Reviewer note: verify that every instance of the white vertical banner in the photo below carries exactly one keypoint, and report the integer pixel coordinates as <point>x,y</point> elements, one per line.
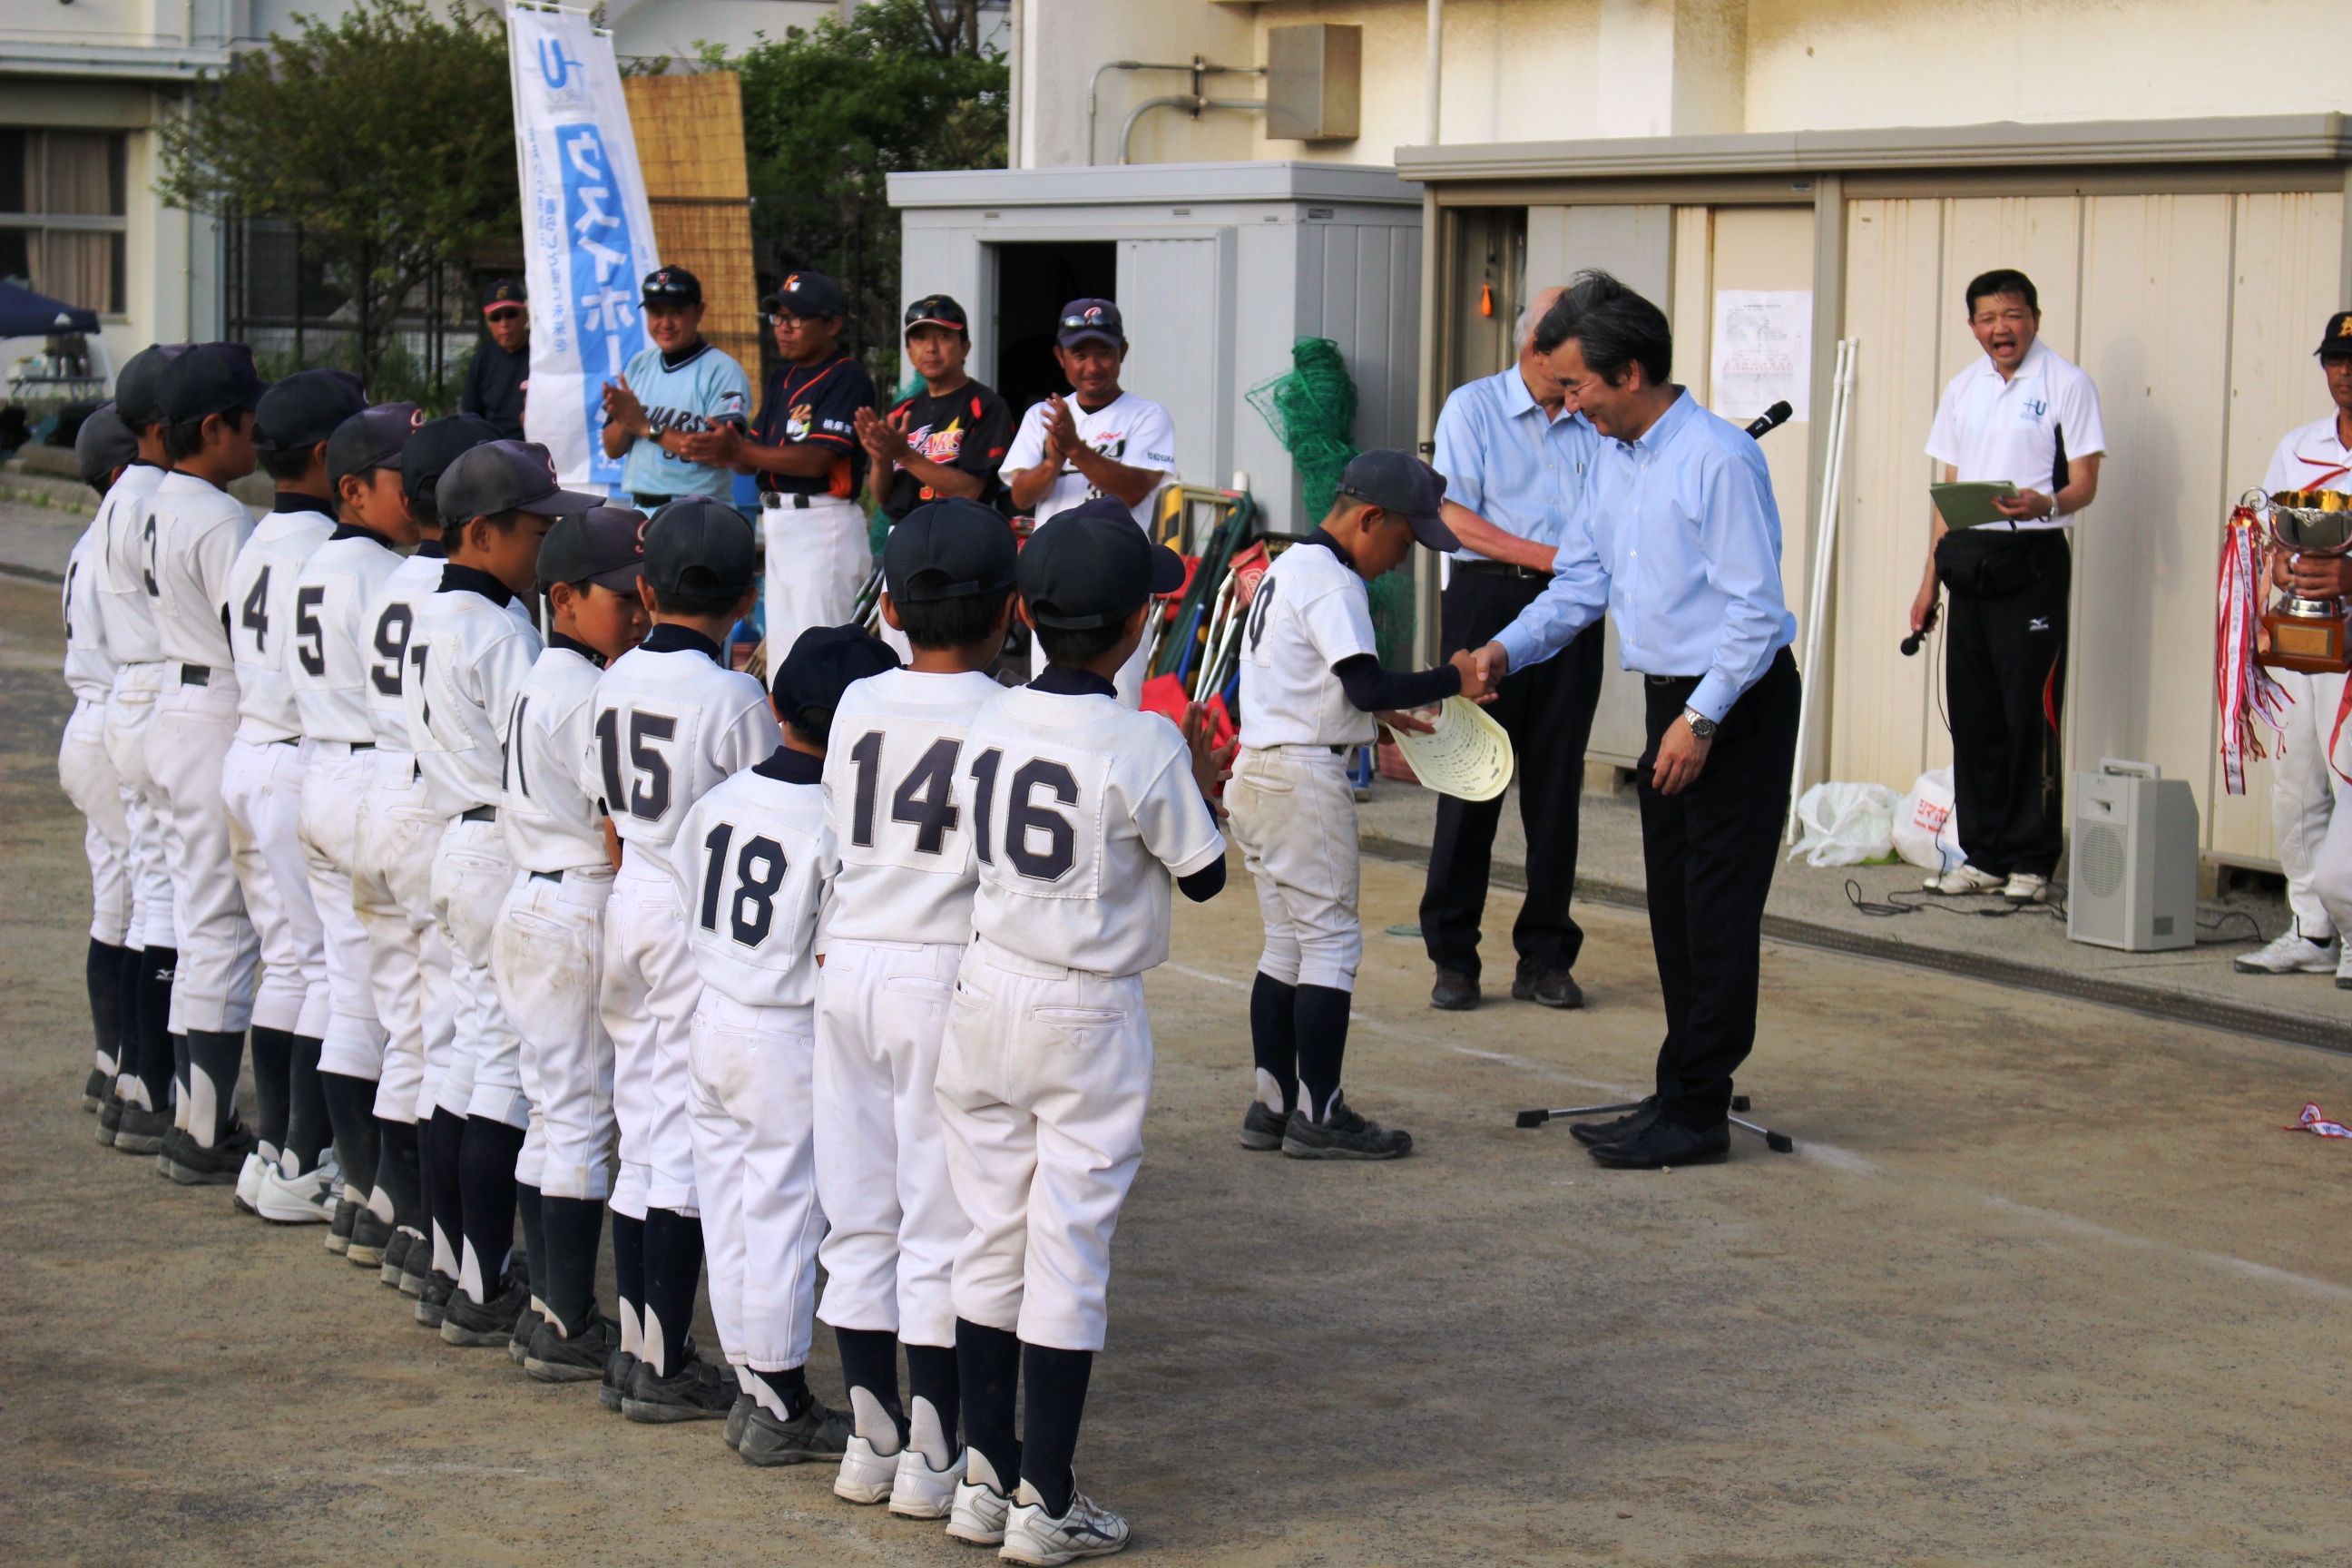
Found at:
<point>588,234</point>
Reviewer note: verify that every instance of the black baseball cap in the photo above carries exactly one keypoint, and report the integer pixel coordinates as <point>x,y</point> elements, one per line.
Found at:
<point>305,408</point>
<point>938,311</point>
<point>437,444</point>
<point>1084,319</point>
<point>1401,484</point>
<point>209,379</point>
<point>604,545</point>
<point>672,286</point>
<point>134,383</point>
<point>505,476</point>
<point>372,438</point>
<point>2336,338</point>
<point>805,294</point>
<point>1091,567</point>
<point>103,444</point>
<point>823,663</point>
<point>968,545</point>
<point>504,291</point>
<point>699,546</point>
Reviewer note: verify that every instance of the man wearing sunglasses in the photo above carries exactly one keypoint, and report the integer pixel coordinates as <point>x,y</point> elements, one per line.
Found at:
<point>500,375</point>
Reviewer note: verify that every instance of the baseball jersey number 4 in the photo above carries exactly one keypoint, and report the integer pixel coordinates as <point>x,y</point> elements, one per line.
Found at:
<point>647,795</point>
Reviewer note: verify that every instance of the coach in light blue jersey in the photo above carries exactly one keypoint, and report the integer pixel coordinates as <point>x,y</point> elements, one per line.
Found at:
<point>681,386</point>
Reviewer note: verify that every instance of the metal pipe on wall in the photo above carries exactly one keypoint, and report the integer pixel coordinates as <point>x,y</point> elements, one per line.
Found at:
<point>1196,69</point>
<point>1179,101</point>
<point>1434,68</point>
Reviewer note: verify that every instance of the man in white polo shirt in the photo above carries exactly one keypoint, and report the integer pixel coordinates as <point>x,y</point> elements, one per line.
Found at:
<point>2023,414</point>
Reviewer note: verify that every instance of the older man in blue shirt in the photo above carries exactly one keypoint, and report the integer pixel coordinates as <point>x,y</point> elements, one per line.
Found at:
<point>1679,541</point>
<point>1514,452</point>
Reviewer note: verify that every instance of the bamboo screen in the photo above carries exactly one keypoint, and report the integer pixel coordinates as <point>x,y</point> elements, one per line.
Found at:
<point>690,132</point>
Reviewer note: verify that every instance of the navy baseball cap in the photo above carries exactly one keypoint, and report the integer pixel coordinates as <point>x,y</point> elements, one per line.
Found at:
<point>957,548</point>
<point>209,379</point>
<point>1091,567</point>
<point>305,408</point>
<point>1401,484</point>
<point>372,438</point>
<point>2334,338</point>
<point>672,286</point>
<point>805,294</point>
<point>1084,319</point>
<point>437,444</point>
<point>824,660</point>
<point>134,383</point>
<point>505,476</point>
<point>604,545</point>
<point>504,291</point>
<point>699,546</point>
<point>103,444</point>
<point>937,311</point>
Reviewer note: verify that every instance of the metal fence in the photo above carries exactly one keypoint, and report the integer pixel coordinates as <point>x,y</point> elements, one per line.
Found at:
<point>281,303</point>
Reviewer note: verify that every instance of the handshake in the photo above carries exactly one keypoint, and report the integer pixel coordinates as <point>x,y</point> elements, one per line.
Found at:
<point>1482,671</point>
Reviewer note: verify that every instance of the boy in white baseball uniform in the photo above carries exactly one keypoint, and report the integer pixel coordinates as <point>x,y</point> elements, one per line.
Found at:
<point>1312,691</point>
<point>1083,811</point>
<point>261,777</point>
<point>671,722</point>
<point>894,933</point>
<point>752,867</point>
<point>469,652</point>
<point>207,398</point>
<point>548,952</point>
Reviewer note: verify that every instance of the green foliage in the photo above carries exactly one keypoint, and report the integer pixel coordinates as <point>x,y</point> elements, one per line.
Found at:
<point>387,137</point>
<point>400,373</point>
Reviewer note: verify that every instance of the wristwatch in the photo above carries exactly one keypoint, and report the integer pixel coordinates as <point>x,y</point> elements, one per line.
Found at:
<point>1700,724</point>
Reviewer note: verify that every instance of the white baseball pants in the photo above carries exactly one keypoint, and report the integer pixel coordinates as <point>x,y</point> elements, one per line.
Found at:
<point>881,1168</point>
<point>648,1000</point>
<point>129,708</point>
<point>261,786</point>
<point>818,559</point>
<point>472,875</point>
<point>1045,1077</point>
<point>2303,811</point>
<point>219,954</point>
<point>96,789</point>
<point>397,837</point>
<point>755,1173</point>
<point>1293,814</point>
<point>548,957</point>
<point>332,796</point>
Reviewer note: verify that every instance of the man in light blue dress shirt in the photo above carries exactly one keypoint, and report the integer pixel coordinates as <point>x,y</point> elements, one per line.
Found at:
<point>1514,450</point>
<point>1679,541</point>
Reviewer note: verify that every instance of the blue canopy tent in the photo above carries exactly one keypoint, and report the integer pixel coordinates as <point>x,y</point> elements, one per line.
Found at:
<point>25,315</point>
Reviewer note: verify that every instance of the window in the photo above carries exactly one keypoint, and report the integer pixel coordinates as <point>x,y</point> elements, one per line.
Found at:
<point>62,199</point>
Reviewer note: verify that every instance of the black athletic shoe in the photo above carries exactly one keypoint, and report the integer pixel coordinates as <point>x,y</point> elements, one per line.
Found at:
<point>696,1391</point>
<point>369,1236</point>
<point>1342,1135</point>
<point>1262,1129</point>
<point>110,1121</point>
<point>433,1302</point>
<point>466,1321</point>
<point>815,1432</point>
<point>738,1415</point>
<point>1455,991</point>
<point>1632,1123</point>
<point>1546,987</point>
<point>527,1326</point>
<point>95,1089</point>
<point>141,1131</point>
<point>620,1365</point>
<point>338,1234</point>
<point>416,1268</point>
<point>581,1358</point>
<point>167,1151</point>
<point>396,1258</point>
<point>194,1165</point>
<point>1664,1143</point>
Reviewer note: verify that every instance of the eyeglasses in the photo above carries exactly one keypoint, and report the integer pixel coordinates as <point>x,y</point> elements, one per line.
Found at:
<point>511,313</point>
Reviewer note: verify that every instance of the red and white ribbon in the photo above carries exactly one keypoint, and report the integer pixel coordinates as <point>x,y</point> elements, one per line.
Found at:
<point>2315,1119</point>
<point>2246,690</point>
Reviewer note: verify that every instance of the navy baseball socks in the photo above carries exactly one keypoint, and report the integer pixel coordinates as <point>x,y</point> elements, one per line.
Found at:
<point>993,1363</point>
<point>1324,1126</point>
<point>362,1236</point>
<point>629,1288</point>
<point>670,1381</point>
<point>885,1437</point>
<point>400,1187</point>
<point>126,1044</point>
<point>273,1061</point>
<point>489,1296</point>
<point>147,1078</point>
<point>213,1151</point>
<point>574,1340</point>
<point>308,1130</point>
<point>102,973</point>
<point>1274,1042</point>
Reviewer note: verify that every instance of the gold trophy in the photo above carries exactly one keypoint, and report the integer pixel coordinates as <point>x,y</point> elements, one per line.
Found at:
<point>2308,633</point>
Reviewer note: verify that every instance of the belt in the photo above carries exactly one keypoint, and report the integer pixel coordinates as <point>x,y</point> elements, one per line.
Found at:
<point>196,675</point>
<point>781,500</point>
<point>479,813</point>
<point>1338,751</point>
<point>287,741</point>
<point>651,503</point>
<point>547,875</point>
<point>1672,679</point>
<point>1502,569</point>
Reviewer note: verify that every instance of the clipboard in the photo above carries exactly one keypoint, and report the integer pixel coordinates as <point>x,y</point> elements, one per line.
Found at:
<point>1968,504</point>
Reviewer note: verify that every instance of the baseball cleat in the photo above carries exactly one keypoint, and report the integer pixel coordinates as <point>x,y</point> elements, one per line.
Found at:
<point>526,1328</point>
<point>338,1231</point>
<point>433,1303</point>
<point>581,1358</point>
<point>864,1476</point>
<point>815,1432</point>
<point>1617,1131</point>
<point>696,1391</point>
<point>110,1121</point>
<point>248,1183</point>
<point>395,1257</point>
<point>194,1165</point>
<point>1262,1127</point>
<point>977,1515</point>
<point>168,1148</point>
<point>619,1366</point>
<point>1034,1536</point>
<point>141,1131</point>
<point>95,1089</point>
<point>738,1415</point>
<point>1342,1134</point>
<point>466,1321</point>
<point>416,1268</point>
<point>369,1236</point>
<point>918,1492</point>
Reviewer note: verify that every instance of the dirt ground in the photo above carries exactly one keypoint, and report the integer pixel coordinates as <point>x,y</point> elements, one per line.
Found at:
<point>2044,1285</point>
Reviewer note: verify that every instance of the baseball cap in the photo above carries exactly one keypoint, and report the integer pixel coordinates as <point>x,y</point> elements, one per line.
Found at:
<point>210,378</point>
<point>103,444</point>
<point>372,438</point>
<point>1091,567</point>
<point>823,663</point>
<point>504,291</point>
<point>967,545</point>
<point>134,383</point>
<point>1084,319</point>
<point>505,476</point>
<point>437,444</point>
<point>700,546</point>
<point>937,311</point>
<point>1401,483</point>
<point>604,545</point>
<point>305,408</point>
<point>2336,338</point>
<point>805,294</point>
<point>672,286</point>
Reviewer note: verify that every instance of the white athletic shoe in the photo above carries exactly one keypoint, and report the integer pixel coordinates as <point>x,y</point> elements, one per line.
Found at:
<point>2025,887</point>
<point>866,1476</point>
<point>2292,953</point>
<point>248,1182</point>
<point>1963,880</point>
<point>1034,1536</point>
<point>305,1199</point>
<point>918,1492</point>
<point>978,1513</point>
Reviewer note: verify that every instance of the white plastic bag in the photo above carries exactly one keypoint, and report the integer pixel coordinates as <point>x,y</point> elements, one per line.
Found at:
<point>1845,823</point>
<point>1926,833</point>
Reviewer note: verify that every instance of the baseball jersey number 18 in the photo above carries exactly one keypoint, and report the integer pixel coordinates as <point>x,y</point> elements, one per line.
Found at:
<point>759,875</point>
<point>648,797</point>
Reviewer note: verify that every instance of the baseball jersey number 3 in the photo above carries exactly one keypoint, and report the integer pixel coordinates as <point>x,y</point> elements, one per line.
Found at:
<point>648,795</point>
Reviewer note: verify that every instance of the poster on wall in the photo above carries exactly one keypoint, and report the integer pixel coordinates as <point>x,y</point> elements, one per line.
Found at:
<point>1763,352</point>
<point>588,234</point>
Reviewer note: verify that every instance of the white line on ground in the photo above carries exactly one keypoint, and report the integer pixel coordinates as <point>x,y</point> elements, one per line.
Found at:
<point>2090,1230</point>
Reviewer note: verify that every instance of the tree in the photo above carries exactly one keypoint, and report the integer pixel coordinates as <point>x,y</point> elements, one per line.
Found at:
<point>387,138</point>
<point>830,111</point>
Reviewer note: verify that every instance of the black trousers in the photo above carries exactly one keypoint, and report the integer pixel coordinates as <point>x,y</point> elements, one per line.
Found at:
<point>1548,709</point>
<point>1709,853</point>
<point>2004,681</point>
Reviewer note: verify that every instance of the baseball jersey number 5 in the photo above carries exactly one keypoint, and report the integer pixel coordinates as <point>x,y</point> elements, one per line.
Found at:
<point>310,636</point>
<point>755,890</point>
<point>648,800</point>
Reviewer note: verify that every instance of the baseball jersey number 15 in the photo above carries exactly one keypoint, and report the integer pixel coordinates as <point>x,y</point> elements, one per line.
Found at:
<point>647,796</point>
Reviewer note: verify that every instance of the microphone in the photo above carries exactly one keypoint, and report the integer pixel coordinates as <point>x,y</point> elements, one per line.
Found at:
<point>1911,644</point>
<point>1772,419</point>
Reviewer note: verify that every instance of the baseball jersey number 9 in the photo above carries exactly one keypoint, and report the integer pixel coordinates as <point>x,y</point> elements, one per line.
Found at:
<point>310,636</point>
<point>392,630</point>
<point>753,892</point>
<point>648,801</point>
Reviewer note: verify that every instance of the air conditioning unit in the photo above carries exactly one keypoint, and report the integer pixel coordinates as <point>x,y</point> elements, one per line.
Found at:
<point>2134,850</point>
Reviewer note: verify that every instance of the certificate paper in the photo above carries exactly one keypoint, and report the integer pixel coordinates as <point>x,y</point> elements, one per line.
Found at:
<point>1762,352</point>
